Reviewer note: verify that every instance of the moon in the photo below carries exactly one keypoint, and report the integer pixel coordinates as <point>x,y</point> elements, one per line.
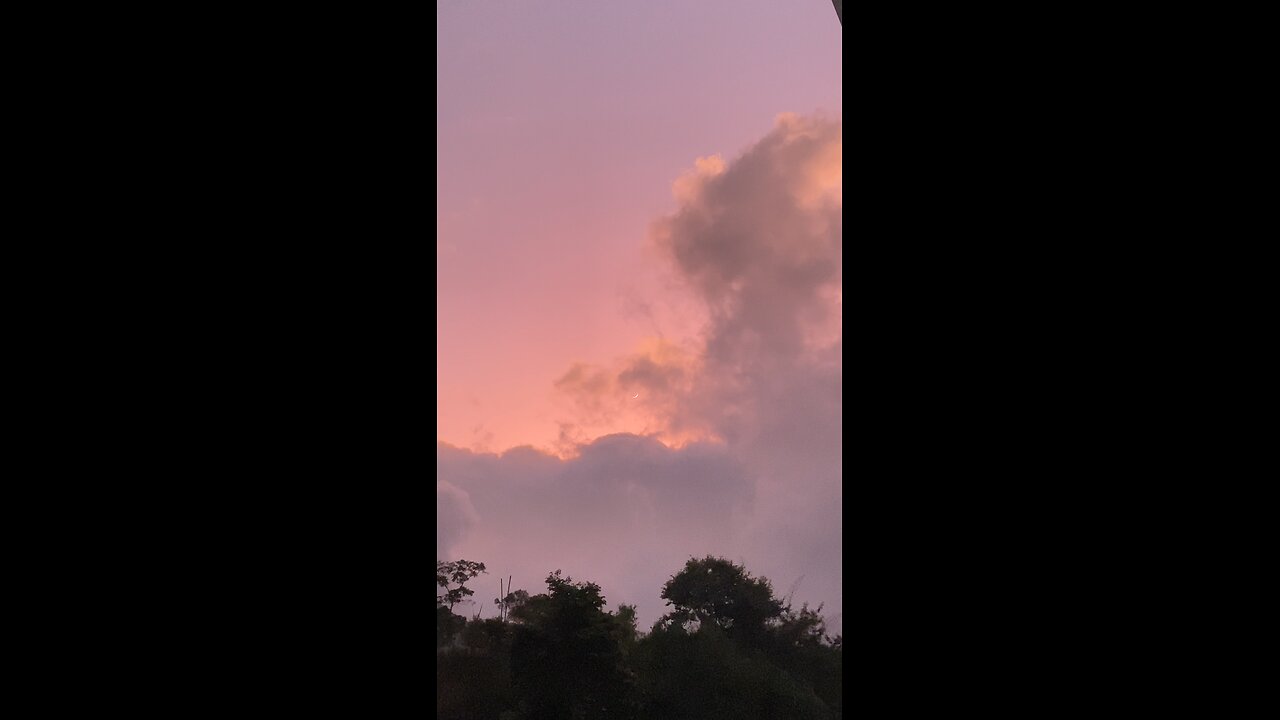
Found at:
<point>633,397</point>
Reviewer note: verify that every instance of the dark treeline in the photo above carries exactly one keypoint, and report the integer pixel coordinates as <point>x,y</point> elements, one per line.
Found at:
<point>727,649</point>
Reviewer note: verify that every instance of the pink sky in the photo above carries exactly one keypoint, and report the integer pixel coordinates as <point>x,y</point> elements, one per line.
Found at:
<point>574,272</point>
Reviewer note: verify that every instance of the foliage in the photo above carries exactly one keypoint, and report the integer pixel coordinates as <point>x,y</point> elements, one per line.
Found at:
<point>721,592</point>
<point>625,626</point>
<point>706,675</point>
<point>448,626</point>
<point>511,602</point>
<point>566,657</point>
<point>799,644</point>
<point>474,680</point>
<point>729,649</point>
<point>455,573</point>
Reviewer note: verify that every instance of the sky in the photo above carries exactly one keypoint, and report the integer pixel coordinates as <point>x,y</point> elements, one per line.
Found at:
<point>639,293</point>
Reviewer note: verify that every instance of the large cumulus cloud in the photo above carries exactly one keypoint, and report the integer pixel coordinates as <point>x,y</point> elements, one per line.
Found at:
<point>760,243</point>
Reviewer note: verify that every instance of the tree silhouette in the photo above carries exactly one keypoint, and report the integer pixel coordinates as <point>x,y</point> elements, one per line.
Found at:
<point>566,659</point>
<point>457,573</point>
<point>728,649</point>
<point>718,591</point>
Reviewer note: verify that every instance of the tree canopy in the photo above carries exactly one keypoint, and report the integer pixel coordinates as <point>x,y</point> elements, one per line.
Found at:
<point>718,591</point>
<point>728,649</point>
<point>456,573</point>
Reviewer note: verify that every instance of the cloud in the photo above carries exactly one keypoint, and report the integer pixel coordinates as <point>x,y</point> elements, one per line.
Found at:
<point>455,515</point>
<point>761,244</point>
<point>758,244</point>
<point>639,310</point>
<point>643,392</point>
<point>625,512</point>
<point>733,438</point>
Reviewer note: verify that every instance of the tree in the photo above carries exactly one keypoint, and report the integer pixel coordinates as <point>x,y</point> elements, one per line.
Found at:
<point>730,649</point>
<point>802,628</point>
<point>705,675</point>
<point>512,601</point>
<point>448,625</point>
<point>626,626</point>
<point>473,682</point>
<point>456,573</point>
<point>800,645</point>
<point>566,658</point>
<point>715,590</point>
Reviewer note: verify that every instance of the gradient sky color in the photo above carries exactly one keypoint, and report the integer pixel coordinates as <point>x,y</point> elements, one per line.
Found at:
<point>560,129</point>
<point>581,149</point>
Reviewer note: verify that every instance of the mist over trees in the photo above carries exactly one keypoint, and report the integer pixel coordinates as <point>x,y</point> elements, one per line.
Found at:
<point>729,648</point>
